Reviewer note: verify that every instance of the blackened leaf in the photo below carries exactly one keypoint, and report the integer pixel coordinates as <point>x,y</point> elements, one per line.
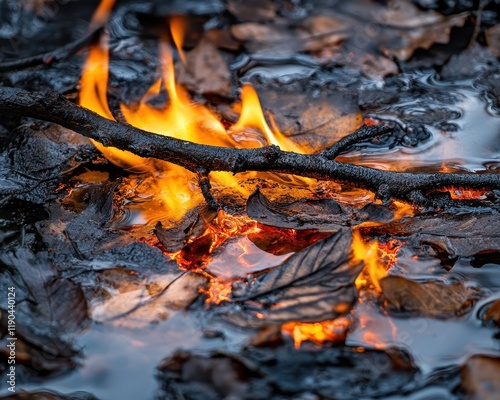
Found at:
<point>322,215</point>
<point>266,373</point>
<point>457,234</point>
<point>376,213</point>
<point>321,257</point>
<point>193,225</point>
<point>480,378</point>
<point>314,284</point>
<point>53,302</point>
<point>432,299</point>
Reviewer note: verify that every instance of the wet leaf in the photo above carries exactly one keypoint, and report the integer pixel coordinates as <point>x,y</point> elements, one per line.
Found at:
<point>53,302</point>
<point>192,226</point>
<point>205,71</point>
<point>457,234</point>
<point>493,313</point>
<point>138,302</point>
<point>323,215</point>
<point>480,378</point>
<point>314,284</point>
<point>431,299</point>
<point>49,395</point>
<point>315,122</point>
<point>266,373</point>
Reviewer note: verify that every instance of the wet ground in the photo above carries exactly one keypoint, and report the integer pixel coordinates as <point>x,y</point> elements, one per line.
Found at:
<point>104,309</point>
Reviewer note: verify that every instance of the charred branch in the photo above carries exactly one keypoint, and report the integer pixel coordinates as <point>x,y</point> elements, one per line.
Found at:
<point>415,188</point>
<point>52,56</point>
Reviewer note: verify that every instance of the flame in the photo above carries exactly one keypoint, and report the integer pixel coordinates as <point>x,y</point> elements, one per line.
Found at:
<point>369,253</point>
<point>218,291</point>
<point>252,117</point>
<point>317,332</point>
<point>178,31</point>
<point>101,14</point>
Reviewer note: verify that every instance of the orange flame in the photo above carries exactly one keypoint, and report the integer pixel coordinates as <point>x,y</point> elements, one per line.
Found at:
<point>369,253</point>
<point>101,14</point>
<point>252,117</point>
<point>317,332</point>
<point>178,31</point>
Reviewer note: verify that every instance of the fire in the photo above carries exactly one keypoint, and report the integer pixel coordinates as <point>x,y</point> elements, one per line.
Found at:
<point>317,332</point>
<point>101,14</point>
<point>370,253</point>
<point>252,118</point>
<point>217,291</point>
<point>178,30</point>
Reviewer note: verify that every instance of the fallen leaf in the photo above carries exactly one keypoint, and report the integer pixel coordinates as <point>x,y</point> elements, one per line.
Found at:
<point>314,284</point>
<point>252,10</point>
<point>431,299</point>
<point>457,234</point>
<point>49,395</point>
<point>480,377</point>
<point>192,226</point>
<point>137,305</point>
<point>55,304</point>
<point>493,39</point>
<point>322,215</point>
<point>265,38</point>
<point>493,313</point>
<point>268,373</point>
<point>205,71</point>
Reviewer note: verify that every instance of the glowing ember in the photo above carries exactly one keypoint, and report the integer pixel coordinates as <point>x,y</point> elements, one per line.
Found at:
<point>217,291</point>
<point>317,332</point>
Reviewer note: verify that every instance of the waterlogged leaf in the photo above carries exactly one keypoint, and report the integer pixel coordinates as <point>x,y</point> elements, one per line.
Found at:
<point>49,395</point>
<point>193,225</point>
<point>276,373</point>
<point>457,234</point>
<point>493,313</point>
<point>136,302</point>
<point>205,71</point>
<point>480,378</point>
<point>431,299</point>
<point>323,214</point>
<point>314,284</point>
<point>314,122</point>
<point>53,302</point>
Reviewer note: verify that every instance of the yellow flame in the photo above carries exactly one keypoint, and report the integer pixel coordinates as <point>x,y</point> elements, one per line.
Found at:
<point>369,253</point>
<point>178,31</point>
<point>317,332</point>
<point>252,116</point>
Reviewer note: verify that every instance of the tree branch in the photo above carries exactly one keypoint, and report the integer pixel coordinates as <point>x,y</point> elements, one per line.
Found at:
<point>405,186</point>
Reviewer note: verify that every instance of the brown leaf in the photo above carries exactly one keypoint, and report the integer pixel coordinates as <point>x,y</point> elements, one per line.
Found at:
<point>205,71</point>
<point>320,32</point>
<point>493,39</point>
<point>480,378</point>
<point>314,122</point>
<point>252,10</point>
<point>432,299</point>
<point>493,313</point>
<point>134,305</point>
<point>265,38</point>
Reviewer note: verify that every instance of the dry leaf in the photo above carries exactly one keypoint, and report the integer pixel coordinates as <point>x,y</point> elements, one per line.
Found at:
<point>480,378</point>
<point>493,39</point>
<point>432,299</point>
<point>252,10</point>
<point>205,71</point>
